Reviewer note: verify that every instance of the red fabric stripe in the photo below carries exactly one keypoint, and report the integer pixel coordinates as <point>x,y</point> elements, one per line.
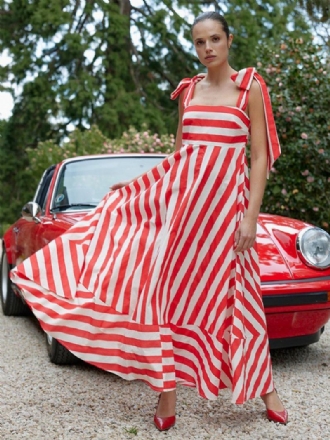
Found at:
<point>217,123</point>
<point>218,139</point>
<point>224,109</point>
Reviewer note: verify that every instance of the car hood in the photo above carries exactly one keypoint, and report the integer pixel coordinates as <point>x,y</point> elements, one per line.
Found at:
<point>279,260</point>
<point>276,238</point>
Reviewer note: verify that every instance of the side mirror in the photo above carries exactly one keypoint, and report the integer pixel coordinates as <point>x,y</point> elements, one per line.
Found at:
<point>31,211</point>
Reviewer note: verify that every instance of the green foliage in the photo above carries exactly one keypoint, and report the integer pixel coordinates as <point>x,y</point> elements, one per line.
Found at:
<point>111,64</point>
<point>81,143</point>
<point>253,22</point>
<point>49,152</point>
<point>298,76</point>
<point>318,10</point>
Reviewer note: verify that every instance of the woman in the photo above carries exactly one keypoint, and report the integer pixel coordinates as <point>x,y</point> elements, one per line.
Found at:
<point>161,282</point>
<point>217,109</point>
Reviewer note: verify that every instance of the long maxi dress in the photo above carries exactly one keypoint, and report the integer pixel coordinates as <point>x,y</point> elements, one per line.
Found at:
<point>147,285</point>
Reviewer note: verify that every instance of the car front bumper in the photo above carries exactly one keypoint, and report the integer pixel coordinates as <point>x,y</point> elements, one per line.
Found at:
<point>296,311</point>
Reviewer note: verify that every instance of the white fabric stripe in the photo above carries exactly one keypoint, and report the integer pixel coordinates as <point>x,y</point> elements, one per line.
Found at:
<point>69,269</point>
<point>240,76</point>
<point>214,131</point>
<point>197,144</point>
<point>28,271</point>
<point>192,115</point>
<point>42,269</point>
<point>108,345</point>
<point>56,271</point>
<point>244,99</point>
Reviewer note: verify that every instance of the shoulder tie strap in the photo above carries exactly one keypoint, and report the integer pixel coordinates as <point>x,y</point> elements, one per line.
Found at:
<point>187,83</point>
<point>243,79</point>
<point>274,148</point>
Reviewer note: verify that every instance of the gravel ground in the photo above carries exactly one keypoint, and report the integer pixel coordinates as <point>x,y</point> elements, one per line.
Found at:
<point>39,400</point>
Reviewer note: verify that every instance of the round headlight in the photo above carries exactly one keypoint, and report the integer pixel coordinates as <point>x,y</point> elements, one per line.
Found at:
<point>313,246</point>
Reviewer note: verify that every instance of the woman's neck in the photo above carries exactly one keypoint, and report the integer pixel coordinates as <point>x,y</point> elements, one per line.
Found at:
<point>218,75</point>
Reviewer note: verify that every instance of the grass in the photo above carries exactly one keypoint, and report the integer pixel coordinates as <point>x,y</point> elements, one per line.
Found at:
<point>132,430</point>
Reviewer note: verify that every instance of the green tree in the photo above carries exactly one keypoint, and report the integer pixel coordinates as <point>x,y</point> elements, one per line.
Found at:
<point>318,10</point>
<point>257,22</point>
<point>78,63</point>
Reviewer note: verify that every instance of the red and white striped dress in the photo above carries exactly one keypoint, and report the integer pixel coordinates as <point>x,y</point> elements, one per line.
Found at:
<point>148,286</point>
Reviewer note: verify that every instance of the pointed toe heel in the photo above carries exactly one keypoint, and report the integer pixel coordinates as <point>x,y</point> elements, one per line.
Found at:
<point>164,423</point>
<point>278,416</point>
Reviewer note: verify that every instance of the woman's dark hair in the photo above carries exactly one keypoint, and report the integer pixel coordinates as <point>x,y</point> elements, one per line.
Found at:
<point>212,15</point>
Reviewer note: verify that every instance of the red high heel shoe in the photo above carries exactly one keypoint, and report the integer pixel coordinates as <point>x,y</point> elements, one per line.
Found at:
<point>278,416</point>
<point>163,423</point>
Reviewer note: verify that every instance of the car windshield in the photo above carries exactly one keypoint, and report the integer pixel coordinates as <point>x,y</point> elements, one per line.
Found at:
<point>83,183</point>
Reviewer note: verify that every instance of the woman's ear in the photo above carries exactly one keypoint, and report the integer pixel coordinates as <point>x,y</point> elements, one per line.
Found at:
<point>230,40</point>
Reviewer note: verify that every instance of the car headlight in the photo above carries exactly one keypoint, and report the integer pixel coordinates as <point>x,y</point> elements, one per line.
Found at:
<point>313,246</point>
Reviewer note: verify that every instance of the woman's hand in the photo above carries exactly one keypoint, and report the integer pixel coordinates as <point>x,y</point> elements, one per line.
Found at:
<point>245,235</point>
<point>118,185</point>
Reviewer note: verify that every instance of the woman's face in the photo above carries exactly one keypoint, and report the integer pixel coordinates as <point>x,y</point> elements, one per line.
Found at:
<point>211,43</point>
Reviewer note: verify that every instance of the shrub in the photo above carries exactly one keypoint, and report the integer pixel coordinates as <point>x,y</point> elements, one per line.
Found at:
<point>81,143</point>
<point>297,73</point>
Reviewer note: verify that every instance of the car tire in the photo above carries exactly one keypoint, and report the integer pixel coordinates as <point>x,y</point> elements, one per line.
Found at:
<point>11,304</point>
<point>58,354</point>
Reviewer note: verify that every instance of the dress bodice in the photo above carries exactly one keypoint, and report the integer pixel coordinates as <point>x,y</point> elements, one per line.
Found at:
<point>215,125</point>
<point>226,125</point>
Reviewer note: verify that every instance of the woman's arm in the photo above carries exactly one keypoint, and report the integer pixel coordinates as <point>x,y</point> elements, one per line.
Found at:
<point>178,138</point>
<point>178,145</point>
<point>246,233</point>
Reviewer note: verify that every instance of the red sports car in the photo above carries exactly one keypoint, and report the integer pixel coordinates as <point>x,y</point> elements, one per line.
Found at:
<point>294,256</point>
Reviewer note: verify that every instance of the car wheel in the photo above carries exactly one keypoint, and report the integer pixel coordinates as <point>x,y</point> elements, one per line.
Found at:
<point>58,354</point>
<point>12,305</point>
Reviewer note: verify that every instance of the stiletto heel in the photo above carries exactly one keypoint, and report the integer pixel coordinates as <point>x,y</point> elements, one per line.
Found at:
<point>163,423</point>
<point>277,416</point>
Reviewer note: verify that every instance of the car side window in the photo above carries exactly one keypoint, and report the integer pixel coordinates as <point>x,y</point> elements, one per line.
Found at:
<point>43,188</point>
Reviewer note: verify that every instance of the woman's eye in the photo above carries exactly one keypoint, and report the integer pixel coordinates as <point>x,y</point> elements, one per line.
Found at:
<point>216,38</point>
<point>199,43</point>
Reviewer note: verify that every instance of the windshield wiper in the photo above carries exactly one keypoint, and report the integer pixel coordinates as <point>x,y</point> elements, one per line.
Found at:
<point>74,205</point>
